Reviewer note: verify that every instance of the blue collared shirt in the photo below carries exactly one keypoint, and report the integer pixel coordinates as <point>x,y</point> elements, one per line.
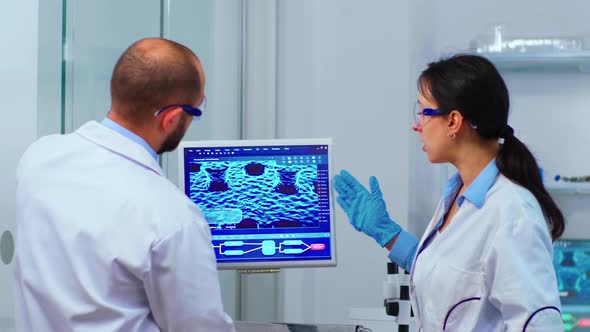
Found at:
<point>406,246</point>
<point>127,133</point>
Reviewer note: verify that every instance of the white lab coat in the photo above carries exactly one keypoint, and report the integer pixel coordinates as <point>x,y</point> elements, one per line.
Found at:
<point>473,275</point>
<point>106,243</point>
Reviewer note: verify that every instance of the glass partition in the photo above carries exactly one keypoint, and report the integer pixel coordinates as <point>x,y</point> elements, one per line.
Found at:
<point>96,33</point>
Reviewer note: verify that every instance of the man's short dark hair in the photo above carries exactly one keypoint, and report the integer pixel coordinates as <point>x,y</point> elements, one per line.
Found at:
<point>152,74</point>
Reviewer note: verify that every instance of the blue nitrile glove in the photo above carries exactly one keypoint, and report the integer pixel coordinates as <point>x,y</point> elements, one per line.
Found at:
<point>366,210</point>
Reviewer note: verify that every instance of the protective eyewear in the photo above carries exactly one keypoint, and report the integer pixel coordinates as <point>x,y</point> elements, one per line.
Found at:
<point>194,111</point>
<point>421,114</point>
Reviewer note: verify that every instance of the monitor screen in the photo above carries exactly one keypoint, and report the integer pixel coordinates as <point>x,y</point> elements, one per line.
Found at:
<point>571,259</point>
<point>268,202</point>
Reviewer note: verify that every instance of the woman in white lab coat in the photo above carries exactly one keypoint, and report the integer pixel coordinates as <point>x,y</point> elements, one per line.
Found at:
<point>485,261</point>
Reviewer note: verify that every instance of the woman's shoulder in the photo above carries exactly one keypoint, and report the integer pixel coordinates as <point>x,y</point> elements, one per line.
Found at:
<point>516,214</point>
<point>514,199</point>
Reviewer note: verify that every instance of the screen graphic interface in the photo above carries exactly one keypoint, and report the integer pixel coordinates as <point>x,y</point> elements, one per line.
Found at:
<point>571,259</point>
<point>263,203</point>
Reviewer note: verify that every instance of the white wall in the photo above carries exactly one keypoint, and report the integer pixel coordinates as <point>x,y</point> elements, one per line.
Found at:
<point>343,73</point>
<point>18,92</point>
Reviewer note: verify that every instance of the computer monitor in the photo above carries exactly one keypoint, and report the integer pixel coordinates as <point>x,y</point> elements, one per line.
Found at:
<point>268,202</point>
<point>571,259</point>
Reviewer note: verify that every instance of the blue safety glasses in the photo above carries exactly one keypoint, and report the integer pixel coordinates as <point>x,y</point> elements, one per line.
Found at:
<point>421,114</point>
<point>196,112</point>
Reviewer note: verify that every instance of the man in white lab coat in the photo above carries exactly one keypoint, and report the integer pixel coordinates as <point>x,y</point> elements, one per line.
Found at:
<point>104,241</point>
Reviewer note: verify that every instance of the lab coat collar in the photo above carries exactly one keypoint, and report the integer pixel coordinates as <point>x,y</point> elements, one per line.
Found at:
<point>129,134</point>
<point>477,191</point>
<point>118,143</point>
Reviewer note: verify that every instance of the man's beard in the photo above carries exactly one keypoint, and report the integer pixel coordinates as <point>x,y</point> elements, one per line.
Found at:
<point>171,142</point>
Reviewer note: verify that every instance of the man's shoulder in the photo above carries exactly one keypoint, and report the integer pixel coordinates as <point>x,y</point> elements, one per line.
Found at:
<point>47,147</point>
<point>50,140</point>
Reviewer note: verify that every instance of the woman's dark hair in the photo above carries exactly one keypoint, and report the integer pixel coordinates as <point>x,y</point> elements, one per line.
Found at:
<point>472,85</point>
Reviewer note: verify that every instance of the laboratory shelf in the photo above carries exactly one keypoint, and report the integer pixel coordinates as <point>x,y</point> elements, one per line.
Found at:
<point>569,188</point>
<point>541,61</point>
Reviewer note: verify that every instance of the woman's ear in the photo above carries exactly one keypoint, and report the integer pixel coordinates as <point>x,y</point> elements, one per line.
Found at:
<point>455,121</point>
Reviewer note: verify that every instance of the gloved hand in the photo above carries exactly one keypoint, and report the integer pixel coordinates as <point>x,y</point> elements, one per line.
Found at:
<point>366,210</point>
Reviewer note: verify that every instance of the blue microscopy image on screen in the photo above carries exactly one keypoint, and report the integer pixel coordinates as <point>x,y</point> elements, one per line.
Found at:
<point>266,205</point>
<point>255,193</point>
<point>571,259</point>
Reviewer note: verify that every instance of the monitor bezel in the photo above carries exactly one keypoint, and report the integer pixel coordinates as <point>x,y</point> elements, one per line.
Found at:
<point>270,142</point>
